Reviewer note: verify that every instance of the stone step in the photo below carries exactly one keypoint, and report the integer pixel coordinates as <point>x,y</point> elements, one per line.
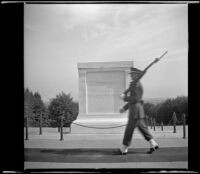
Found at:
<point>104,119</point>
<point>99,124</point>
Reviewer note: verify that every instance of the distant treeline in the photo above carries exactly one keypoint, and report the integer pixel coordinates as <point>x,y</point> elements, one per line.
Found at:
<point>163,111</point>
<point>63,104</point>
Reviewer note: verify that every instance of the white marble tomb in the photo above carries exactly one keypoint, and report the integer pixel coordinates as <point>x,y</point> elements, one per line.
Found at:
<point>100,84</point>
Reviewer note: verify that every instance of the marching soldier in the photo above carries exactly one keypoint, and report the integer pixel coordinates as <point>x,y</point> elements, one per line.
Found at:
<point>136,117</point>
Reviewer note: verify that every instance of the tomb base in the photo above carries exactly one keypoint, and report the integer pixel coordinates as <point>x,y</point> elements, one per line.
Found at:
<point>99,124</point>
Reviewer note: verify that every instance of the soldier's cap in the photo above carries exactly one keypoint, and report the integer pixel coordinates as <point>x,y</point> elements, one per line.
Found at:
<point>135,70</point>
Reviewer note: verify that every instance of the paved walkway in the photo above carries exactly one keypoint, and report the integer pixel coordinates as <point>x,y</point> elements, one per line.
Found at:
<point>100,147</point>
<point>183,165</point>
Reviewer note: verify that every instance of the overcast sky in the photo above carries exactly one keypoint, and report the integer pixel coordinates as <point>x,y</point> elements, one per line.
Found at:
<point>57,37</point>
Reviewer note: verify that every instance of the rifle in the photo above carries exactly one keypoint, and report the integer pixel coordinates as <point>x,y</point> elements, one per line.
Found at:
<point>133,83</point>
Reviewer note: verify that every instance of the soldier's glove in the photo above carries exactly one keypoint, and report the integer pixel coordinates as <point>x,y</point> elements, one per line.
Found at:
<point>122,110</point>
<point>122,96</point>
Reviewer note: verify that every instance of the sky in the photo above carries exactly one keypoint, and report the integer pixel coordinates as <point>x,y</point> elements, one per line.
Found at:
<point>58,36</point>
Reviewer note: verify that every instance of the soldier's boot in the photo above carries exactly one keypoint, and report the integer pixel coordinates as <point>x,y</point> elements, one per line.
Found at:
<point>154,146</point>
<point>123,150</point>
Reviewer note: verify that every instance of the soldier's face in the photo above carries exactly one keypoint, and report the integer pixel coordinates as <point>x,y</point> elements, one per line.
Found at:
<point>134,76</point>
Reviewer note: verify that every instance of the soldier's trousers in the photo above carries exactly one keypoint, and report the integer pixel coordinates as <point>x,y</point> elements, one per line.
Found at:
<point>130,127</point>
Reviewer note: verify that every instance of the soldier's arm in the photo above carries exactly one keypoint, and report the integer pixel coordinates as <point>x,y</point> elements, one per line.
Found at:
<point>132,99</point>
<point>137,97</point>
<point>131,85</point>
<point>127,90</point>
<point>126,106</point>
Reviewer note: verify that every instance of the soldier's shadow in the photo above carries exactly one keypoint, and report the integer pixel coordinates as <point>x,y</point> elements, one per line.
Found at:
<point>89,152</point>
<point>137,151</point>
<point>133,151</point>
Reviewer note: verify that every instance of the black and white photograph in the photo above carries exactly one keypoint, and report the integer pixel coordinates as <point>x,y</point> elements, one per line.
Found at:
<point>106,86</point>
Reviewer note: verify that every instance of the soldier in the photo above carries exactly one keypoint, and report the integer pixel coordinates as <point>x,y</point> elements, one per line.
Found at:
<point>136,118</point>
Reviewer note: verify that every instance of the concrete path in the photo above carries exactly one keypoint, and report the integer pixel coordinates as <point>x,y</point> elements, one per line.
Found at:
<point>180,165</point>
<point>50,139</point>
<point>105,155</point>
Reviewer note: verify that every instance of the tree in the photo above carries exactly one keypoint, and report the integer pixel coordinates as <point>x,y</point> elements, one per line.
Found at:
<point>62,105</point>
<point>180,106</point>
<point>148,109</point>
<point>166,111</point>
<point>34,107</point>
<point>38,105</point>
<point>28,105</point>
<point>163,111</point>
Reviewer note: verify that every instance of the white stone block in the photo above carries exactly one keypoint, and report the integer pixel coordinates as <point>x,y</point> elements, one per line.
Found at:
<point>100,86</point>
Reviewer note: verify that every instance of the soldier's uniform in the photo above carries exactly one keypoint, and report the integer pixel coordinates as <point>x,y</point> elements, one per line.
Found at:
<point>136,117</point>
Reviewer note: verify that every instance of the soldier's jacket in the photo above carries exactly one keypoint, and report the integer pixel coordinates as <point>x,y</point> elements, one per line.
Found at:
<point>134,100</point>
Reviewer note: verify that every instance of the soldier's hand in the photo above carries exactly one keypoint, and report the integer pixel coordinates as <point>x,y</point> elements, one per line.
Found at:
<point>121,110</point>
<point>122,96</point>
